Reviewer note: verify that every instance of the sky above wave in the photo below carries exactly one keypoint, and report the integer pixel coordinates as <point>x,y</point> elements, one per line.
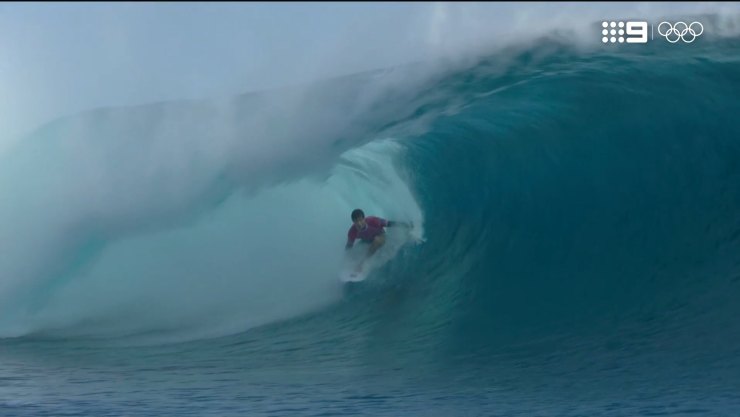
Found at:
<point>61,59</point>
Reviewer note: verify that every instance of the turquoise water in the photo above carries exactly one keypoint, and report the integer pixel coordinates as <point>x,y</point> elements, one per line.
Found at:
<point>581,225</point>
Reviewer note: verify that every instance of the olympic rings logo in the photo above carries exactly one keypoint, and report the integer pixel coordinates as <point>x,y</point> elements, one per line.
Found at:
<point>680,31</point>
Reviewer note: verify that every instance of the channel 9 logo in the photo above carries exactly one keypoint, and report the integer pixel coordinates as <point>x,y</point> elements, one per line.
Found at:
<point>637,31</point>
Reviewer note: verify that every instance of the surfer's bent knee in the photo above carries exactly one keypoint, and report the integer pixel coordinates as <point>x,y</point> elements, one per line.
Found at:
<point>379,240</point>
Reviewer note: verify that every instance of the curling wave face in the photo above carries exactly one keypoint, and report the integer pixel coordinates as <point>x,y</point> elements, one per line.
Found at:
<point>568,199</point>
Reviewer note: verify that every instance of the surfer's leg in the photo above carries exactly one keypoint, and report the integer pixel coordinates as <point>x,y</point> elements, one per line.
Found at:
<point>377,243</point>
<point>374,246</point>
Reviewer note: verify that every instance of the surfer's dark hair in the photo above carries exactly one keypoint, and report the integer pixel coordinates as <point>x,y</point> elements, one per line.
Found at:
<point>356,214</point>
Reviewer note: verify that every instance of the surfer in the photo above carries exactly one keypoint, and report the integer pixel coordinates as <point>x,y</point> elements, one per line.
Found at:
<point>370,230</point>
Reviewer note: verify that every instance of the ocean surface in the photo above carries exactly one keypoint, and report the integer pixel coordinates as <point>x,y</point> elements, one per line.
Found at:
<point>576,251</point>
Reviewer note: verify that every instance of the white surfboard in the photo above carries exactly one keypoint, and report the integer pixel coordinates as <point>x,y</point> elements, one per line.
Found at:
<point>350,275</point>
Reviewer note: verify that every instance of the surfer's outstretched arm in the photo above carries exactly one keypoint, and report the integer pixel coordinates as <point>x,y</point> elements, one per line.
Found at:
<point>394,223</point>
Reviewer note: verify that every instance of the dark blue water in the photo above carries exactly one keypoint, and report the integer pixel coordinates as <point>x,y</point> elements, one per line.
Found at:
<point>581,212</point>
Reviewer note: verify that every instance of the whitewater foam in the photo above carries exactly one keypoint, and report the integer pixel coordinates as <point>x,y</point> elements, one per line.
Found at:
<point>253,259</point>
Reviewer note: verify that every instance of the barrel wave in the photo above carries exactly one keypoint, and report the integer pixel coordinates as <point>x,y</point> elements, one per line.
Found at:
<point>580,211</point>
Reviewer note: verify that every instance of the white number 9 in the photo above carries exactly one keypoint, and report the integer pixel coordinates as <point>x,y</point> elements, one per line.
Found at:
<point>637,29</point>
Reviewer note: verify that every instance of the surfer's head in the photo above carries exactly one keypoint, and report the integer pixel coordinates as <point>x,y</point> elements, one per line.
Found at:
<point>358,218</point>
